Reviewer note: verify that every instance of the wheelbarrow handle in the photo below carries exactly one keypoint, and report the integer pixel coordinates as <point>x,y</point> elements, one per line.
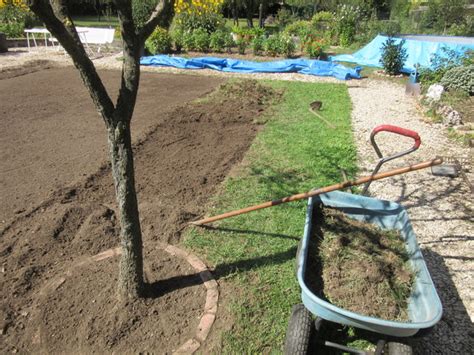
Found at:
<point>397,130</point>
<point>382,160</point>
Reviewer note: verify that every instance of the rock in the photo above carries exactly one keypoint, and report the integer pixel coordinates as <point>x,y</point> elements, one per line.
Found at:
<point>451,117</point>
<point>434,92</point>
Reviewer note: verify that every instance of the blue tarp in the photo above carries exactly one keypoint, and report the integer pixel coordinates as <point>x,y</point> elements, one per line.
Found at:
<point>420,50</point>
<point>303,66</point>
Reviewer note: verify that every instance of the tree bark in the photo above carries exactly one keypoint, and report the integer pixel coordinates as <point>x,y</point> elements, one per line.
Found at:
<point>131,263</point>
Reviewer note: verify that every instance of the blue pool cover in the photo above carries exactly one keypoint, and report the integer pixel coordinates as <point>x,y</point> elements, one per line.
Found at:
<point>302,66</point>
<point>420,50</point>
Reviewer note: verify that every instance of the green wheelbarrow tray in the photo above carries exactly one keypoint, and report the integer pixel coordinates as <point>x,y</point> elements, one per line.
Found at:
<point>424,306</point>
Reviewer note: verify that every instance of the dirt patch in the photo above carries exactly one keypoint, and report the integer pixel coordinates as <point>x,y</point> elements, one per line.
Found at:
<point>363,269</point>
<point>94,321</point>
<point>179,164</point>
<point>26,68</point>
<point>52,137</point>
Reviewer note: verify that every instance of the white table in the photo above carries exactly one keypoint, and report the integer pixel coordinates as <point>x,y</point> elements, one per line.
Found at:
<point>39,31</point>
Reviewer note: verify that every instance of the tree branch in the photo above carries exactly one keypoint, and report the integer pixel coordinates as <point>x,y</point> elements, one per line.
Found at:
<point>131,61</point>
<point>58,22</point>
<point>161,16</point>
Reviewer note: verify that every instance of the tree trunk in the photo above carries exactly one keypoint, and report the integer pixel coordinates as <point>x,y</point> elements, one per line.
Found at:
<point>261,20</point>
<point>131,263</point>
<point>249,13</point>
<point>234,13</point>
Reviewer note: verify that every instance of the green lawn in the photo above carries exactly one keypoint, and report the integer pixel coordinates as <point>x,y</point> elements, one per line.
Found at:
<point>253,254</point>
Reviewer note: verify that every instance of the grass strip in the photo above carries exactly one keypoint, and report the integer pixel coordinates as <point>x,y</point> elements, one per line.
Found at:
<point>254,254</point>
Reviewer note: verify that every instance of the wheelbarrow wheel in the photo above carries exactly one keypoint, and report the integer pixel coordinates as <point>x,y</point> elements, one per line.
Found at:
<point>299,332</point>
<point>399,349</point>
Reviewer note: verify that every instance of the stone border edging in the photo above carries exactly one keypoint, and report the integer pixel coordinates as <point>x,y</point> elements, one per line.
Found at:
<point>212,293</point>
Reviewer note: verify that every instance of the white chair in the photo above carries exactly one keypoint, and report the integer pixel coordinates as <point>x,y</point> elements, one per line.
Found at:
<point>93,35</point>
<point>96,36</point>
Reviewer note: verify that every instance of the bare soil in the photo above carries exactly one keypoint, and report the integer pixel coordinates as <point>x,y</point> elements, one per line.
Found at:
<point>66,209</point>
<point>358,266</point>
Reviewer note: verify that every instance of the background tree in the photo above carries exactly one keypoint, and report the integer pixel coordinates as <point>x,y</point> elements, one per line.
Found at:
<point>117,116</point>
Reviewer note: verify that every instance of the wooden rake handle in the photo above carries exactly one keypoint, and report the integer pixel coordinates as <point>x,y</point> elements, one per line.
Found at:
<point>321,190</point>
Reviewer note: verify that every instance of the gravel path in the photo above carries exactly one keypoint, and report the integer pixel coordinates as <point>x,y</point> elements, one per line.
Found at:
<point>441,209</point>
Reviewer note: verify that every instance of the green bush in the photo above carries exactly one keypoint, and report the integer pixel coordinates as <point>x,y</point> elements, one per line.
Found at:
<point>12,30</point>
<point>14,18</point>
<point>441,63</point>
<point>285,17</point>
<point>273,46</point>
<point>322,17</point>
<point>258,44</point>
<point>314,47</point>
<point>210,22</point>
<point>459,78</point>
<point>393,56</point>
<point>177,35</point>
<point>141,11</point>
<point>217,41</point>
<point>287,46</point>
<point>201,40</point>
<point>228,42</point>
<point>346,21</point>
<point>159,41</point>
<point>242,44</point>
<point>188,41</point>
<point>298,28</point>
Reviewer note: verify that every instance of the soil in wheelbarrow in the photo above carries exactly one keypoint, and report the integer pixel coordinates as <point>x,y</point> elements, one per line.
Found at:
<point>358,266</point>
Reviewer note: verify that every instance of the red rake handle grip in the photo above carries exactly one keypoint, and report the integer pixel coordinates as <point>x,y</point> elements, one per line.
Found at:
<point>399,130</point>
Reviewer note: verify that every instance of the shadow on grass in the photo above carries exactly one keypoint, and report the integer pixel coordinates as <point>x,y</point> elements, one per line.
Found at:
<point>246,231</point>
<point>162,287</point>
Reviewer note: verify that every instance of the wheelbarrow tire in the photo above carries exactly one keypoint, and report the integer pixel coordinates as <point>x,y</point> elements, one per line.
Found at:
<point>299,332</point>
<point>399,349</point>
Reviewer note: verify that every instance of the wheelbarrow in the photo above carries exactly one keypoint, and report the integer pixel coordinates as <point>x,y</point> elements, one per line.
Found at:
<point>424,305</point>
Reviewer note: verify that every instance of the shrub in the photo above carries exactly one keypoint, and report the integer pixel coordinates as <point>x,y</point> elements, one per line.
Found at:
<point>298,28</point>
<point>393,56</point>
<point>217,41</point>
<point>241,45</point>
<point>188,41</point>
<point>314,47</point>
<point>191,15</point>
<point>12,30</point>
<point>258,45</point>
<point>159,41</point>
<point>287,46</point>
<point>178,38</point>
<point>201,40</point>
<point>347,17</point>
<point>284,17</point>
<point>228,42</point>
<point>322,19</point>
<point>273,46</point>
<point>459,78</point>
<point>441,63</point>
<point>141,10</point>
<point>14,17</point>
